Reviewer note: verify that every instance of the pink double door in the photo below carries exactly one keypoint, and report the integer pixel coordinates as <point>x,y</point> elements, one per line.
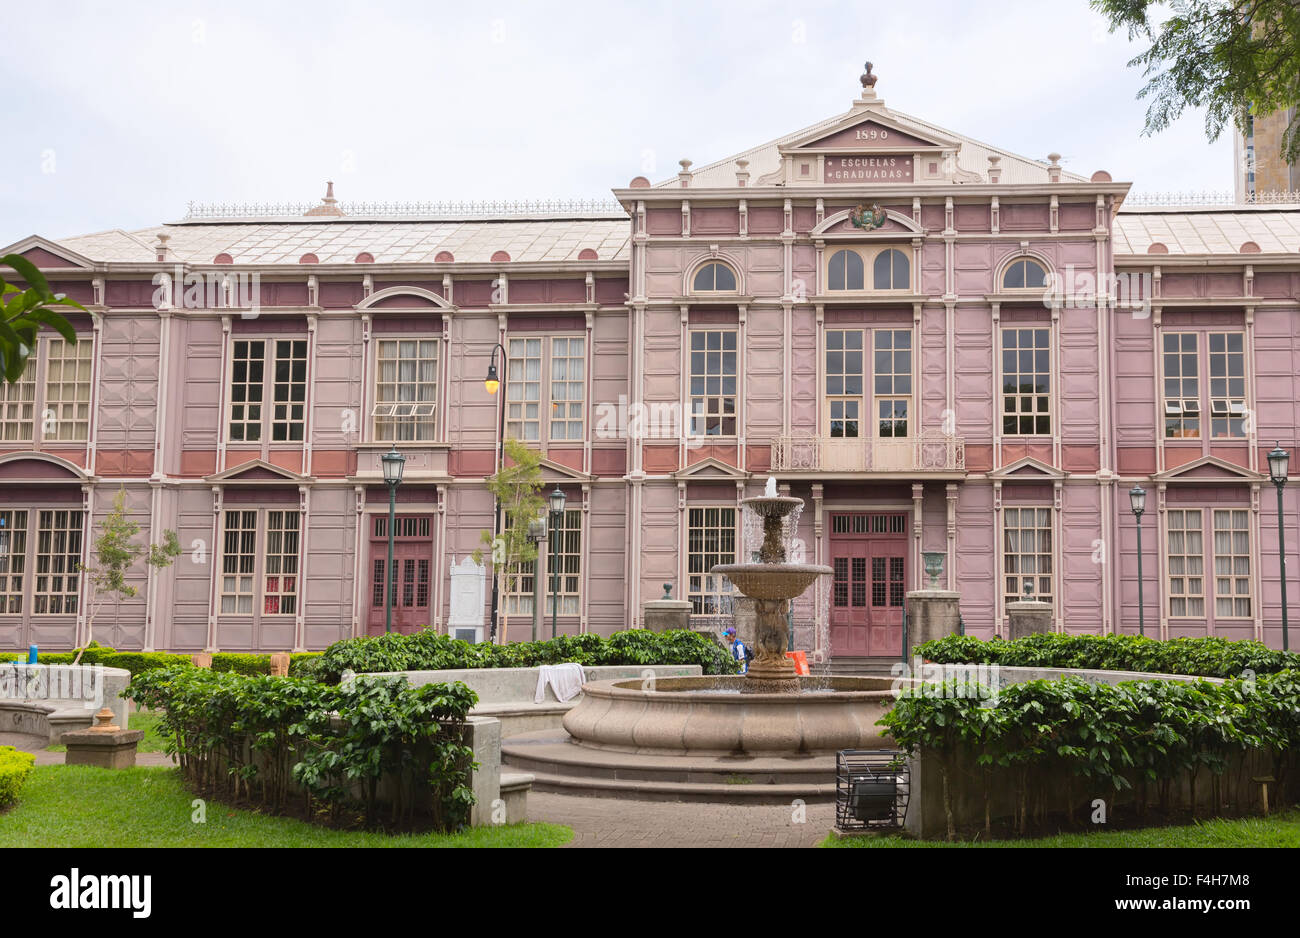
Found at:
<point>868,554</point>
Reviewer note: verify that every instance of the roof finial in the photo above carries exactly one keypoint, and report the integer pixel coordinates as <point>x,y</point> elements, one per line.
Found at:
<point>329,193</point>
<point>328,205</point>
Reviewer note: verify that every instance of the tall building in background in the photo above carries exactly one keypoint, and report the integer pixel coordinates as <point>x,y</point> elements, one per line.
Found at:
<point>1260,167</point>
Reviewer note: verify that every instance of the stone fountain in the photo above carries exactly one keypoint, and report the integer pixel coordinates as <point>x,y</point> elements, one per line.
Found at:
<point>772,582</point>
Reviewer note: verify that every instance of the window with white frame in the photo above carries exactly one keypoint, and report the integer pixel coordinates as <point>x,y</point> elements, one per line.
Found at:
<point>62,400</point>
<point>1182,390</point>
<point>262,370</point>
<point>891,270</point>
<point>844,382</point>
<point>1227,385</point>
<point>57,578</point>
<point>564,579</point>
<point>277,531</point>
<point>406,390</point>
<point>1027,553</point>
<point>892,380</point>
<point>524,389</point>
<point>551,369</point>
<point>1186,556</point>
<point>714,277</point>
<point>1026,381</point>
<point>568,386</point>
<point>13,559</point>
<point>1232,592</point>
<point>1024,274</point>
<point>713,377</point>
<point>845,271</point>
<point>710,540</point>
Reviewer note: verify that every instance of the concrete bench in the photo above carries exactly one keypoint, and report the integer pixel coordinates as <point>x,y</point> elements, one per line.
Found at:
<point>508,694</point>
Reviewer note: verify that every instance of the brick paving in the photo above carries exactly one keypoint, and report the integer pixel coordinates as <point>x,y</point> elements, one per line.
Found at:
<point>613,822</point>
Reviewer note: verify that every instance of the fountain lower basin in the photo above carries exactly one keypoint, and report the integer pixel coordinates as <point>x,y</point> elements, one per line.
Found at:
<point>718,716</point>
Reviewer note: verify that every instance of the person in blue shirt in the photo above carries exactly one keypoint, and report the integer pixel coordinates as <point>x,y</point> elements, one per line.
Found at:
<point>739,650</point>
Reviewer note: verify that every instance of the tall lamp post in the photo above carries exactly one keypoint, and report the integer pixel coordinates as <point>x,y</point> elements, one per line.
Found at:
<point>1277,466</point>
<point>557,518</point>
<point>1137,499</point>
<point>493,384</point>
<point>394,462</point>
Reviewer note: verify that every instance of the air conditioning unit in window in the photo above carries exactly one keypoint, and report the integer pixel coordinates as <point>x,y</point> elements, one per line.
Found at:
<point>467,634</point>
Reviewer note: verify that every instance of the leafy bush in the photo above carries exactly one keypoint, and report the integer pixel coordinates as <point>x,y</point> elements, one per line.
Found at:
<point>254,736</point>
<point>1204,657</point>
<point>429,651</point>
<point>138,662</point>
<point>1136,735</point>
<point>15,766</point>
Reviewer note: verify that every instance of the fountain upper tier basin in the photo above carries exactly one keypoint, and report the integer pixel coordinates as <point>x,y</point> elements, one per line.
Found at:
<point>717,716</point>
<point>772,580</point>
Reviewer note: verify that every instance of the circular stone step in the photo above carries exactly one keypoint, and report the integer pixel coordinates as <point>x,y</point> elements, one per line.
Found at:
<point>560,765</point>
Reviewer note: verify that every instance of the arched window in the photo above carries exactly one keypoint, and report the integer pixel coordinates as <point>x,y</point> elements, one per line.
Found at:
<point>714,277</point>
<point>891,271</point>
<point>1024,274</point>
<point>846,271</point>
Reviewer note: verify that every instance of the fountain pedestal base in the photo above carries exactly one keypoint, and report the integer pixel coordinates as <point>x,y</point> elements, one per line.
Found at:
<point>770,666</point>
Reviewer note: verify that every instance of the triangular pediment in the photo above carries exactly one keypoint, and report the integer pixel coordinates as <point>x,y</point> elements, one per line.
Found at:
<point>1028,469</point>
<point>1209,469</point>
<point>710,467</point>
<point>870,129</point>
<point>553,471</point>
<point>46,253</point>
<point>257,470</point>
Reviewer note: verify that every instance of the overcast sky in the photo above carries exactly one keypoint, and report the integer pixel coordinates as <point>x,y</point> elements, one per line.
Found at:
<point>118,114</point>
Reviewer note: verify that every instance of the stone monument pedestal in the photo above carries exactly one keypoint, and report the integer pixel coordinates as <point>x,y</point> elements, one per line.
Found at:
<point>931,614</point>
<point>105,744</point>
<point>661,615</point>
<point>1028,617</point>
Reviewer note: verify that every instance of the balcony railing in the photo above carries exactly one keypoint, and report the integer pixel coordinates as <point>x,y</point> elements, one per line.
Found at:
<point>931,451</point>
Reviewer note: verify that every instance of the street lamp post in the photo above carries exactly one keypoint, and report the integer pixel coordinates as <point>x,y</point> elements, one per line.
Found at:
<point>1137,499</point>
<point>557,518</point>
<point>537,534</point>
<point>394,462</point>
<point>493,383</point>
<point>1277,466</point>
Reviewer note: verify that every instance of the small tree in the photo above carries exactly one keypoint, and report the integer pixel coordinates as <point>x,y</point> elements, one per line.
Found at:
<point>516,488</point>
<point>114,552</point>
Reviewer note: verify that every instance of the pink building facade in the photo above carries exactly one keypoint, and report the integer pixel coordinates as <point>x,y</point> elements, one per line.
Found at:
<point>939,345</point>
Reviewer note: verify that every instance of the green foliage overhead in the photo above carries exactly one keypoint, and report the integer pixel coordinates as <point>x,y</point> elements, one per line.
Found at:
<point>1208,656</point>
<point>429,651</point>
<point>24,312</point>
<point>1233,58</point>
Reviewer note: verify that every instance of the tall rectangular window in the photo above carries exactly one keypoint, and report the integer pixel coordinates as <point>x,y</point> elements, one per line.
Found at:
<point>406,389</point>
<point>713,382</point>
<point>67,391</point>
<point>892,379</point>
<point>519,598</point>
<point>1182,391</point>
<point>1227,385</point>
<point>524,389</point>
<point>290,391</point>
<point>844,382</point>
<point>710,540</point>
<point>1027,553</point>
<point>1232,593</point>
<point>238,562</point>
<point>565,578</point>
<point>1026,381</point>
<point>1186,563</point>
<point>18,406</point>
<point>280,593</point>
<point>13,559</point>
<point>247,379</point>
<point>58,554</point>
<point>568,387</point>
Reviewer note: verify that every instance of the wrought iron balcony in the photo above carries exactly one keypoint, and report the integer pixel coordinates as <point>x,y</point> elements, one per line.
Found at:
<point>930,451</point>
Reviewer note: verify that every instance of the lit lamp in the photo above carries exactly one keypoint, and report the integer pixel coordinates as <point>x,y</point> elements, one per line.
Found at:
<point>557,518</point>
<point>1137,500</point>
<point>1277,466</point>
<point>394,462</point>
<point>933,560</point>
<point>492,383</point>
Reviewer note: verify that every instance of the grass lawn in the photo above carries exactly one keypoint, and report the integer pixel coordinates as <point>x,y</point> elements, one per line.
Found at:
<point>84,806</point>
<point>146,720</point>
<point>1280,830</point>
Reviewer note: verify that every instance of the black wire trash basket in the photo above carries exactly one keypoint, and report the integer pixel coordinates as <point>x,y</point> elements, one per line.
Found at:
<point>872,787</point>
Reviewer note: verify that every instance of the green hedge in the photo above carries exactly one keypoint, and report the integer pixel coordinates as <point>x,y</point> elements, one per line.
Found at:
<point>429,651</point>
<point>251,736</point>
<point>138,662</point>
<point>1203,657</point>
<point>15,766</point>
<point>1152,737</point>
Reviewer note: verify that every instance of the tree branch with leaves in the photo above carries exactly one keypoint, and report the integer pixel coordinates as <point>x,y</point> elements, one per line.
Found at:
<point>516,487</point>
<point>23,312</point>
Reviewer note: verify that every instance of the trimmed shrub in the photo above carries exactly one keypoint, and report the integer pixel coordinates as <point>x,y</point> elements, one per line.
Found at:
<point>1208,656</point>
<point>15,766</point>
<point>427,650</point>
